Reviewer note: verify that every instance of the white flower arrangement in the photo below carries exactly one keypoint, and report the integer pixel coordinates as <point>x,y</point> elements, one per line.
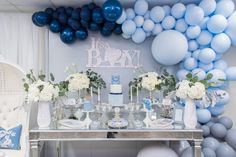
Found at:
<point>78,81</point>
<point>150,81</point>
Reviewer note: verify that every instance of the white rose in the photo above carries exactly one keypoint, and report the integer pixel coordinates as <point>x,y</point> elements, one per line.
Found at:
<point>197,91</point>
<point>182,89</point>
<point>78,81</point>
<point>33,93</point>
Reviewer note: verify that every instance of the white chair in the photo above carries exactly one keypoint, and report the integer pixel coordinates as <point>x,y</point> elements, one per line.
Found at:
<point>12,112</point>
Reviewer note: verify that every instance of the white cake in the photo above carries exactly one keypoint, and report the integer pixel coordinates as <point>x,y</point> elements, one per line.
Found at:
<point>115,97</point>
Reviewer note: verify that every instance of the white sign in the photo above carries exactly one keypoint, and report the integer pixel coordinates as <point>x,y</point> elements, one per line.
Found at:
<point>101,54</point>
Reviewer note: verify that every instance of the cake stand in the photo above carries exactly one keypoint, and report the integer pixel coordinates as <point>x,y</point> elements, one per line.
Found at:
<point>87,121</point>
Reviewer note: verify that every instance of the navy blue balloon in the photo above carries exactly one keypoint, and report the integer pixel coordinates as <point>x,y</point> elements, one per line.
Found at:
<point>63,18</point>
<point>69,11</point>
<point>81,33</point>
<point>67,35</point>
<point>40,18</point>
<point>55,15</point>
<point>105,32</point>
<point>92,5</point>
<point>84,23</point>
<point>76,14</point>
<point>94,26</point>
<point>118,30</point>
<point>55,26</point>
<point>50,11</point>
<point>60,10</point>
<point>112,10</point>
<point>109,25</point>
<point>73,23</point>
<point>85,13</point>
<point>97,15</point>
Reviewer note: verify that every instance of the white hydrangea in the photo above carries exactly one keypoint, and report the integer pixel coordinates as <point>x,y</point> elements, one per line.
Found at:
<point>150,81</point>
<point>78,81</point>
<point>182,89</point>
<point>197,91</point>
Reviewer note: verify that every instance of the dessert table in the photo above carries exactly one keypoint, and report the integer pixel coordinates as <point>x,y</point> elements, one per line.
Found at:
<point>38,136</point>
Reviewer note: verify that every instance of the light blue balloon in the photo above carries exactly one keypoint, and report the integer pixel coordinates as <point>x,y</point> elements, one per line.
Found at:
<point>139,20</point>
<point>217,24</point>
<point>224,150</point>
<point>204,38</point>
<point>168,22</point>
<point>200,73</point>
<point>206,67</point>
<point>195,53</point>
<point>122,18</point>
<point>157,14</point>
<point>220,64</point>
<point>178,10</point>
<point>147,15</point>
<point>206,130</point>
<point>217,76</point>
<point>223,99</point>
<point>148,25</point>
<point>128,27</point>
<point>188,152</point>
<point>189,54</point>
<point>231,29</point>
<point>181,74</point>
<point>208,6</point>
<point>211,143</point>
<point>218,56</point>
<point>167,9</point>
<point>190,63</point>
<point>221,43</point>
<point>130,14</point>
<point>231,73</point>
<point>208,152</point>
<point>231,138</point>
<point>140,7</point>
<point>218,130</point>
<point>181,25</point>
<point>157,29</point>
<point>203,23</point>
<point>189,6</point>
<point>225,7</point>
<point>163,52</point>
<point>139,36</point>
<point>148,34</point>
<point>228,123</point>
<point>216,110</point>
<point>192,45</point>
<point>207,55</point>
<point>193,32</point>
<point>194,15</point>
<point>203,116</point>
<point>125,36</point>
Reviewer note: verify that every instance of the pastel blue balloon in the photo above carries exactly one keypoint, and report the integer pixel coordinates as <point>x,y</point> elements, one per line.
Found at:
<point>209,124</point>
<point>204,38</point>
<point>225,7</point>
<point>211,143</point>
<point>148,25</point>
<point>167,9</point>
<point>231,138</point>
<point>126,36</point>
<point>148,34</point>
<point>190,63</point>
<point>200,73</point>
<point>203,23</point>
<point>192,45</point>
<point>231,73</point>
<point>220,64</point>
<point>122,18</point>
<point>221,43</point>
<point>181,74</point>
<point>189,6</point>
<point>216,110</point>
<point>188,152</point>
<point>128,27</point>
<point>147,15</point>
<point>231,29</point>
<point>140,7</point>
<point>228,123</point>
<point>207,55</point>
<point>189,54</point>
<point>157,29</point>
<point>163,52</point>
<point>139,36</point>
<point>130,14</point>
<point>206,67</point>
<point>193,32</point>
<point>218,56</point>
<point>208,6</point>
<point>225,150</point>
<point>157,14</point>
<point>217,76</point>
<point>223,99</point>
<point>168,22</point>
<point>218,130</point>
<point>195,53</point>
<point>194,15</point>
<point>206,130</point>
<point>178,10</point>
<point>203,115</point>
<point>208,152</point>
<point>181,25</point>
<point>217,24</point>
<point>139,20</point>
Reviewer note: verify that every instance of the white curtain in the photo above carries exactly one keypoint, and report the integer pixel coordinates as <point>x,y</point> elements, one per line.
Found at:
<point>23,43</point>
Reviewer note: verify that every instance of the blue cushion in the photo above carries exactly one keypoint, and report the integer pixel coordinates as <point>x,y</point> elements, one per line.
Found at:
<point>10,139</point>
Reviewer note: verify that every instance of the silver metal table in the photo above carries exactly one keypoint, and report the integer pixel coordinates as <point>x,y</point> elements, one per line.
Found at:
<point>42,135</point>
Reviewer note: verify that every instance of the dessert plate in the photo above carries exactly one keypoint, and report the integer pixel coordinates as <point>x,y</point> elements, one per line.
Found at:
<point>71,123</point>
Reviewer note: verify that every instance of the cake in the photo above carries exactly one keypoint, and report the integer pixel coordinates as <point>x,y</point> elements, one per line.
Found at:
<point>115,97</point>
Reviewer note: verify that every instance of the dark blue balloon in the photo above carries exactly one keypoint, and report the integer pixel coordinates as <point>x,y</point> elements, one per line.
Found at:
<point>81,33</point>
<point>97,15</point>
<point>55,15</point>
<point>94,26</point>
<point>67,35</point>
<point>60,10</point>
<point>105,32</point>
<point>40,18</point>
<point>63,18</point>
<point>112,10</point>
<point>84,23</point>
<point>92,5</point>
<point>50,11</point>
<point>118,30</point>
<point>73,23</point>
<point>109,25</point>
<point>55,26</point>
<point>69,11</point>
<point>85,13</point>
<point>76,14</point>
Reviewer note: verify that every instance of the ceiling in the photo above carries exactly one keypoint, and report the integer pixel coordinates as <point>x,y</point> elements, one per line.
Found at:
<point>34,5</point>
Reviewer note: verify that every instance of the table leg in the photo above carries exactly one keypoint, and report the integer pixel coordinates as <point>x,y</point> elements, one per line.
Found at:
<point>197,148</point>
<point>58,145</point>
<point>34,149</point>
